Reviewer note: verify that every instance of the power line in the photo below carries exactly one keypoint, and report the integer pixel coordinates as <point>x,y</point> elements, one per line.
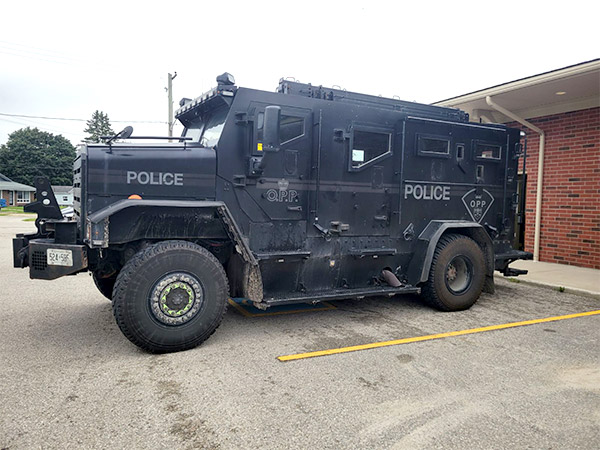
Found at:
<point>78,120</point>
<point>41,127</point>
<point>36,50</point>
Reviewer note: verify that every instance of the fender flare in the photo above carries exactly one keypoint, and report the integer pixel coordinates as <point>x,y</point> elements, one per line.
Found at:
<point>420,264</point>
<point>97,233</point>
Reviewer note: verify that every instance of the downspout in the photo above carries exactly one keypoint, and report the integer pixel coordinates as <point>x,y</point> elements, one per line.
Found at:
<point>540,171</point>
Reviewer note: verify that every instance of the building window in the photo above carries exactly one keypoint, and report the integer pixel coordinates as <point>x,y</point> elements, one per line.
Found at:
<point>65,198</point>
<point>433,146</point>
<point>488,151</point>
<point>368,146</point>
<point>22,197</point>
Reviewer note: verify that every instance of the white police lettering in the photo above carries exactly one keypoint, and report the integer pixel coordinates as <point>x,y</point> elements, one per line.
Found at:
<point>283,194</point>
<point>155,178</point>
<point>427,192</point>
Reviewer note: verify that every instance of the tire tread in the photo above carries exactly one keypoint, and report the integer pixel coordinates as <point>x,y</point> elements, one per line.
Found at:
<point>133,265</point>
<point>428,291</point>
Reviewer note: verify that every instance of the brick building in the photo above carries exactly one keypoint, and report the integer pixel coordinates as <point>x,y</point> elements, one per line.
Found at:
<point>15,194</point>
<point>560,112</point>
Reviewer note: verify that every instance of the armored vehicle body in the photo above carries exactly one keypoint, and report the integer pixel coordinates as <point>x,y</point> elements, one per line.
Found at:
<point>300,195</point>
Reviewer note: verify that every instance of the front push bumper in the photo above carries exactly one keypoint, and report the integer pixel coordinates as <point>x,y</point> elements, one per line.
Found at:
<point>48,260</point>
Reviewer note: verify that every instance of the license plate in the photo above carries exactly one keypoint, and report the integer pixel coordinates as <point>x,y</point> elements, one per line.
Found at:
<point>59,257</point>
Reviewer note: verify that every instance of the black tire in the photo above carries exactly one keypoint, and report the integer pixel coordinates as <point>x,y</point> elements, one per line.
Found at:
<point>457,274</point>
<point>171,296</point>
<point>105,285</point>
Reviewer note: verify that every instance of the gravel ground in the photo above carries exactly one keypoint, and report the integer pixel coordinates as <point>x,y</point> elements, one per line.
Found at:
<point>69,379</point>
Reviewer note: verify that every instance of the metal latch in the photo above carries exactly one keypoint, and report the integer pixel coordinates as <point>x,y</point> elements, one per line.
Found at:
<point>239,180</point>
<point>339,135</point>
<point>338,227</point>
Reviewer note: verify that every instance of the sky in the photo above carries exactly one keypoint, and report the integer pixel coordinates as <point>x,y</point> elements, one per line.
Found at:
<point>64,59</point>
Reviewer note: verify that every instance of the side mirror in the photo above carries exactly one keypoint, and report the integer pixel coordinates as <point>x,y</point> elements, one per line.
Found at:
<point>271,129</point>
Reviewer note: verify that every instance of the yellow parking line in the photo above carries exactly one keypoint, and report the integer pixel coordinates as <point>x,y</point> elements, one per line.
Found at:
<point>430,337</point>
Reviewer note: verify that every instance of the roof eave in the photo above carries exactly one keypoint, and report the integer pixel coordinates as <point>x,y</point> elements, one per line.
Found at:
<point>565,72</point>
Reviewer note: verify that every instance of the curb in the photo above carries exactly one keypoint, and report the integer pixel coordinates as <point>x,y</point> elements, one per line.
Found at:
<point>554,287</point>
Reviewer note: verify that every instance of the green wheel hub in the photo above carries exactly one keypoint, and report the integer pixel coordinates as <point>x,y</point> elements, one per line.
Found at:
<point>176,298</point>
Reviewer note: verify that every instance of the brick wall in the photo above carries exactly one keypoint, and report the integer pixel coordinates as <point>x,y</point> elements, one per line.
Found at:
<point>570,232</point>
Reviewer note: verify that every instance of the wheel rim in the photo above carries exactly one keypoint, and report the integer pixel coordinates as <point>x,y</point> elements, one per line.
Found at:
<point>459,274</point>
<point>176,298</point>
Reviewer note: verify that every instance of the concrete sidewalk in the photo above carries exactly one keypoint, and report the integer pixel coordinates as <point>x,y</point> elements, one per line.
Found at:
<point>578,280</point>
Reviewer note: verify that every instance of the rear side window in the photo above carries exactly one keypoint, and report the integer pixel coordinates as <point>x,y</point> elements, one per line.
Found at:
<point>485,151</point>
<point>433,146</point>
<point>368,146</point>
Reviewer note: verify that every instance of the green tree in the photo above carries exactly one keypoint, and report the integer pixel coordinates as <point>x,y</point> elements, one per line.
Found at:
<point>98,125</point>
<point>30,152</point>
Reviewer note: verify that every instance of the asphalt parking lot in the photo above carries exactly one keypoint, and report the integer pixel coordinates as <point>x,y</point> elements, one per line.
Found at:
<point>69,379</point>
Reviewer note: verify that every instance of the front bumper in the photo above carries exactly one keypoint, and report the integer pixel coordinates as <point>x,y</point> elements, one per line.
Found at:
<point>47,259</point>
<point>54,251</point>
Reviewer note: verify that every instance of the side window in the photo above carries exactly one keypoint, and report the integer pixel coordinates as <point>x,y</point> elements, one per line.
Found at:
<point>290,127</point>
<point>368,146</point>
<point>484,151</point>
<point>437,146</point>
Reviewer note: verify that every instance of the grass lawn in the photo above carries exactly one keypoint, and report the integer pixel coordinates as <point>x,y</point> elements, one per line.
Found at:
<point>17,210</point>
<point>13,210</point>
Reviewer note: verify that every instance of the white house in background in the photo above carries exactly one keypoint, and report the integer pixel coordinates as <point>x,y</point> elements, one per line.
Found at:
<point>64,195</point>
<point>15,194</point>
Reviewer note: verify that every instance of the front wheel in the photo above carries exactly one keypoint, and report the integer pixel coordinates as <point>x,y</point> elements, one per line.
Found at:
<point>457,274</point>
<point>170,296</point>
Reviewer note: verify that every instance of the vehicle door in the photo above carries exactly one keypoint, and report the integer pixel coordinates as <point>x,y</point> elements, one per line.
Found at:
<point>356,167</point>
<point>282,190</point>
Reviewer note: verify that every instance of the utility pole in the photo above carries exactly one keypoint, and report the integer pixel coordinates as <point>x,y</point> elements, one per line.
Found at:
<point>170,79</point>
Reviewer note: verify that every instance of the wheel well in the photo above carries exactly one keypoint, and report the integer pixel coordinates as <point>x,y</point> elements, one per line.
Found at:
<point>482,239</point>
<point>418,271</point>
<point>109,261</point>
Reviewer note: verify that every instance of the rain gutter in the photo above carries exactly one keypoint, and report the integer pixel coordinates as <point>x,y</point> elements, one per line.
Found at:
<point>540,171</point>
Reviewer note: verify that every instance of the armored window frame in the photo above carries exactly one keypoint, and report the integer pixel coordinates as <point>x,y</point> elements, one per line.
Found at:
<point>422,138</point>
<point>477,152</point>
<point>379,157</point>
<point>260,118</point>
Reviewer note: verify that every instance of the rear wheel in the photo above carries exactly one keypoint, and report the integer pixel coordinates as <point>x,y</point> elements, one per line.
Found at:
<point>457,274</point>
<point>170,296</point>
<point>105,285</point>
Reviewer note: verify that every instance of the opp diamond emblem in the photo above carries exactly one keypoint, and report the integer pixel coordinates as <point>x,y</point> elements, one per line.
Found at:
<point>478,204</point>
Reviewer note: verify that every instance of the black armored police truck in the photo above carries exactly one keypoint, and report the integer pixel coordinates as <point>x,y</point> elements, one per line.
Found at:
<point>300,195</point>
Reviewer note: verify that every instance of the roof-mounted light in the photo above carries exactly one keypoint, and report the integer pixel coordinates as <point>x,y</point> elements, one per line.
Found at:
<point>226,79</point>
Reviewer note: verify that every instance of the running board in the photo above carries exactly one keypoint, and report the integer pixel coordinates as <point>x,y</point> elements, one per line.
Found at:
<point>339,294</point>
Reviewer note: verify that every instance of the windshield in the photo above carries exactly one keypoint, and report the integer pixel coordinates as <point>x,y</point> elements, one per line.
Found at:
<point>207,129</point>
<point>195,132</point>
<point>214,128</point>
